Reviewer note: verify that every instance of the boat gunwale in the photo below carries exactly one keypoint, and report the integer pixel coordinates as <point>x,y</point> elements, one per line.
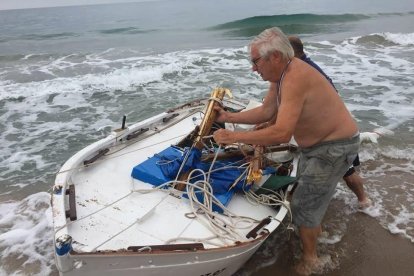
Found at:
<point>261,237</point>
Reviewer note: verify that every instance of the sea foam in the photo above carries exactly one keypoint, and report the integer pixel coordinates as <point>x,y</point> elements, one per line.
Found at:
<point>400,38</point>
<point>27,236</point>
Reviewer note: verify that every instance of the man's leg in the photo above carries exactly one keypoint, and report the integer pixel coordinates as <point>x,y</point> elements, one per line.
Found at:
<point>355,183</point>
<point>318,172</point>
<point>310,262</point>
<point>309,237</point>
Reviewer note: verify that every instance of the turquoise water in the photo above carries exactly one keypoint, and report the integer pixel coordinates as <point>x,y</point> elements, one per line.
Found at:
<point>69,74</point>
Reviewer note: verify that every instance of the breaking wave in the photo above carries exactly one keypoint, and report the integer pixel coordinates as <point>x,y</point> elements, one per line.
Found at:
<point>126,30</point>
<point>387,39</point>
<point>289,23</point>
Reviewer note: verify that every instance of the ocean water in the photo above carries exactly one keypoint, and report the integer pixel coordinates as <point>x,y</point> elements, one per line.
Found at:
<point>69,74</point>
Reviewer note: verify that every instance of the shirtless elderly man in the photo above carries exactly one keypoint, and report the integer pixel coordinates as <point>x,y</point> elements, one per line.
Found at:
<point>319,121</point>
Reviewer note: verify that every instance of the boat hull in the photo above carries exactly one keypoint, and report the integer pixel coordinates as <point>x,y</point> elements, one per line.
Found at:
<point>225,261</point>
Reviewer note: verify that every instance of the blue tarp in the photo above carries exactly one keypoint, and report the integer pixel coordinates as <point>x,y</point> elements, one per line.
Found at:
<point>149,172</point>
<point>164,166</point>
<point>170,163</point>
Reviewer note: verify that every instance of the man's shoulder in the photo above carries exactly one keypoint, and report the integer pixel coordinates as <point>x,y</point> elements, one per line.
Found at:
<point>301,71</point>
<point>297,81</point>
<point>316,66</point>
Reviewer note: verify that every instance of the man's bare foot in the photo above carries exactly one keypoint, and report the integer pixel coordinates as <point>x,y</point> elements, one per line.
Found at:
<point>362,205</point>
<point>308,267</point>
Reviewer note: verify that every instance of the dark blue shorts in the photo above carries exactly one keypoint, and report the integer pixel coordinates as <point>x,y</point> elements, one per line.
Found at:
<point>351,170</point>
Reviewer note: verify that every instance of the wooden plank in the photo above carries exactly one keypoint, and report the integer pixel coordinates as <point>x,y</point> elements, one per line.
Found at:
<point>168,247</point>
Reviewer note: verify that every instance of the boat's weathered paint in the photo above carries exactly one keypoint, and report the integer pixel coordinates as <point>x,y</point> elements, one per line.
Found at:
<point>225,261</point>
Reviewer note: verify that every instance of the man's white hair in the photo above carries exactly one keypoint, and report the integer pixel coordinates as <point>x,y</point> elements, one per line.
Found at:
<point>272,40</point>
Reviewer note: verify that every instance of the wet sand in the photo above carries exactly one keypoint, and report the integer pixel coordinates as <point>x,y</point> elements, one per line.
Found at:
<point>366,248</point>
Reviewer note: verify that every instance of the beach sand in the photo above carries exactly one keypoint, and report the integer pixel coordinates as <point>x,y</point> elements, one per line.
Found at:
<point>366,248</point>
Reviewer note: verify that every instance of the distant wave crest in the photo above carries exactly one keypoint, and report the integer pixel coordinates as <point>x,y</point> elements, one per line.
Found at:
<point>292,23</point>
<point>48,36</point>
<point>38,37</point>
<point>126,30</point>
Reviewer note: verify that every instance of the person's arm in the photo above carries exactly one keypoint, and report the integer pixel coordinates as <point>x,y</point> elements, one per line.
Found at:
<point>268,123</point>
<point>260,114</point>
<point>280,132</point>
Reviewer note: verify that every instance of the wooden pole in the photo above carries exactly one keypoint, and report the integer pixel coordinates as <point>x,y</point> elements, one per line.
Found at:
<point>217,96</point>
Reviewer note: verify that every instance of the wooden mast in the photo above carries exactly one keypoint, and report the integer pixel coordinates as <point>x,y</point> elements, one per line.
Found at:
<point>210,116</point>
<point>204,129</point>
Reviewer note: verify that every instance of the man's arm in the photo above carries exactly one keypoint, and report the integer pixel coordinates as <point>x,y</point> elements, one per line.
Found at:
<point>280,132</point>
<point>260,114</point>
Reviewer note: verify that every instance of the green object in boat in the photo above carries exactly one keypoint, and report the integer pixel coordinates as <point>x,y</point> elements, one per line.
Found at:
<point>274,183</point>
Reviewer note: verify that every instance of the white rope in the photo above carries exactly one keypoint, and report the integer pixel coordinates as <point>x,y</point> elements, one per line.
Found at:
<point>212,164</point>
<point>223,226</point>
<point>184,162</point>
<point>220,102</point>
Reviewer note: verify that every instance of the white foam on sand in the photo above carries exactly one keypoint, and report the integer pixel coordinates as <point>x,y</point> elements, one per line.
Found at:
<point>387,183</point>
<point>403,223</point>
<point>26,237</point>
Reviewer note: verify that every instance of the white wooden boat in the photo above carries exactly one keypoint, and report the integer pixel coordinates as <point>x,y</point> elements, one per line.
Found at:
<point>106,222</point>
